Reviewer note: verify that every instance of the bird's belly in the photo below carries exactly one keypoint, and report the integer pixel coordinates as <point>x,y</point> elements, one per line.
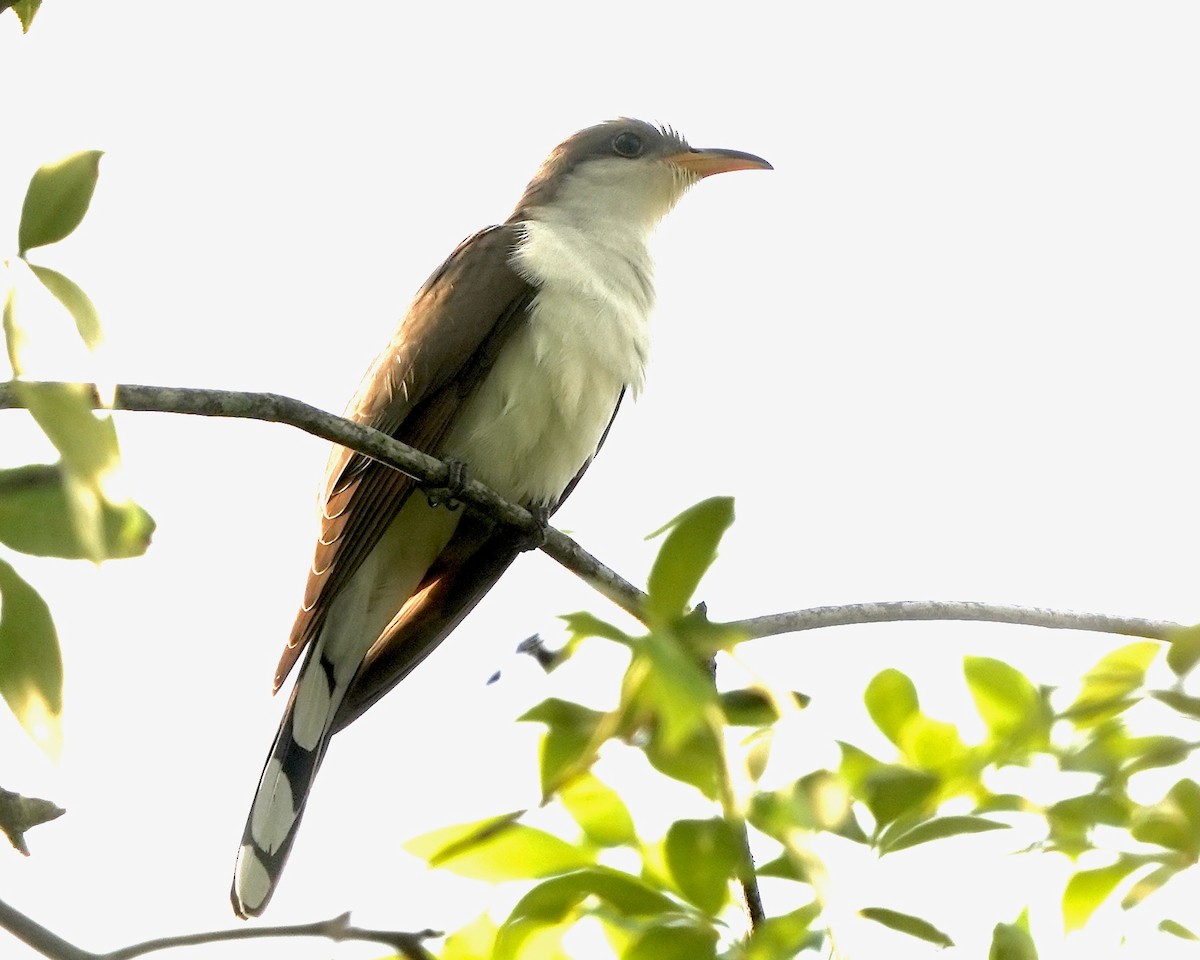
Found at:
<point>540,412</point>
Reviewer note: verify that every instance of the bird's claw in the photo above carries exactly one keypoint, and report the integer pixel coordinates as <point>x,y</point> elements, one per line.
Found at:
<point>535,539</point>
<point>447,496</point>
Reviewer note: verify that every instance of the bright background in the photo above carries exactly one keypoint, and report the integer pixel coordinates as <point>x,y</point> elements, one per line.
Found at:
<point>946,350</point>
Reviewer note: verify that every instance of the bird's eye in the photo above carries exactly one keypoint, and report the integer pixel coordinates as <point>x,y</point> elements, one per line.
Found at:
<point>627,144</point>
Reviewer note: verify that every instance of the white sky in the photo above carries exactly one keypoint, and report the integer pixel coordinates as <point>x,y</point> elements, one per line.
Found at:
<point>945,350</point>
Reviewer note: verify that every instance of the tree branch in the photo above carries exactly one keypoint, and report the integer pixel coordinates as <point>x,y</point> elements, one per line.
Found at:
<point>814,618</point>
<point>337,929</point>
<point>431,472</point>
<point>273,408</point>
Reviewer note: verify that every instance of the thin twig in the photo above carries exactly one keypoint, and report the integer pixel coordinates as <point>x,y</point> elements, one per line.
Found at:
<point>337,930</point>
<point>814,618</point>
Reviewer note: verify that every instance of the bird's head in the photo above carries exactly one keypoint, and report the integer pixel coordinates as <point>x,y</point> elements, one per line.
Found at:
<point>623,170</point>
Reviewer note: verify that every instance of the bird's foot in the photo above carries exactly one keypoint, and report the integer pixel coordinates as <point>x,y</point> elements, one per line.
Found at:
<point>447,496</point>
<point>535,539</point>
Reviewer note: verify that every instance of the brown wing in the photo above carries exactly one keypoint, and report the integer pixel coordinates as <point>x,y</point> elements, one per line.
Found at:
<point>457,324</point>
<point>476,556</point>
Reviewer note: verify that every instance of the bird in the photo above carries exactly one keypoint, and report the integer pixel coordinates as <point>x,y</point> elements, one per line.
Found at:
<point>510,365</point>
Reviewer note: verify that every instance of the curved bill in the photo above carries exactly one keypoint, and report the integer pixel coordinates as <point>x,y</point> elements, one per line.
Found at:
<point>704,162</point>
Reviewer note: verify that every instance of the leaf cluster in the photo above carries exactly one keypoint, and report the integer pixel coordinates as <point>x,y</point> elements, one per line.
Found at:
<point>682,896</point>
<point>67,509</point>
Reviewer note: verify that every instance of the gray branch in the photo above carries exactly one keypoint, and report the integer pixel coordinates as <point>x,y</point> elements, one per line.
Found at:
<point>273,408</point>
<point>338,929</point>
<point>433,473</point>
<point>816,618</point>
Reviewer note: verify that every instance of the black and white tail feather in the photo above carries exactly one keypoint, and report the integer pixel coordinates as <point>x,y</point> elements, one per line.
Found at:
<point>284,785</point>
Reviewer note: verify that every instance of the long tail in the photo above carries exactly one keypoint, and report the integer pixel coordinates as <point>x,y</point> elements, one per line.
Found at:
<point>283,787</point>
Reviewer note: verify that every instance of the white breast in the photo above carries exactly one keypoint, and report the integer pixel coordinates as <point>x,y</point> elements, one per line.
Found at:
<point>541,411</point>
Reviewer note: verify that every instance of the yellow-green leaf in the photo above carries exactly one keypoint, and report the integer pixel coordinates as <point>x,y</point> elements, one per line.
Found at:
<point>1184,652</point>
<point>686,554</point>
<point>88,443</point>
<point>941,827</point>
<point>703,857</point>
<point>57,199</point>
<point>498,849</point>
<point>25,11</point>
<point>1108,684</point>
<point>36,518</point>
<point>599,811</point>
<point>891,792</point>
<point>78,303</point>
<point>676,939</point>
<point>1087,889</point>
<point>30,662</point>
<point>475,941</point>
<point>1004,696</point>
<point>1011,941</point>
<point>891,700</point>
<point>12,332</point>
<point>1177,929</point>
<point>907,923</point>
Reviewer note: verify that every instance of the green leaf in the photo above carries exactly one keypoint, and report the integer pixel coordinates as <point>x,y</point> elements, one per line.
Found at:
<point>672,684</point>
<point>783,867</point>
<point>1173,822</point>
<point>553,899</point>
<point>571,729</point>
<point>677,939</point>
<point>498,849</point>
<point>1179,701</point>
<point>1004,696</point>
<point>785,936</point>
<point>1011,941</point>
<point>941,827</point>
<point>856,766</point>
<point>1156,751</point>
<point>687,552</point>
<point>58,196</point>
<point>88,443</point>
<point>555,712</point>
<point>12,332</point>
<point>892,792</point>
<point>1177,930</point>
<point>30,662</point>
<point>1087,889</point>
<point>891,700</point>
<point>817,801</point>
<point>1144,886</point>
<point>1005,802</point>
<point>696,761</point>
<point>78,303</point>
<point>1184,652</point>
<point>753,708</point>
<point>36,518</point>
<point>475,941</point>
<point>583,624</point>
<point>906,923</point>
<point>703,857</point>
<point>599,811</point>
<point>1107,685</point>
<point>1089,809</point>
<point>25,10</point>
<point>936,746</point>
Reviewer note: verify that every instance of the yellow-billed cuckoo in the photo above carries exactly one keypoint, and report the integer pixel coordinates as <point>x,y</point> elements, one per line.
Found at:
<point>512,361</point>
